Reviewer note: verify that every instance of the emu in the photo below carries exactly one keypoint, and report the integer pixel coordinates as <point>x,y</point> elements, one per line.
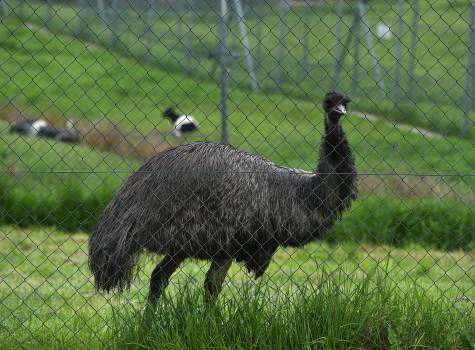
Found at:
<point>211,201</point>
<point>182,124</point>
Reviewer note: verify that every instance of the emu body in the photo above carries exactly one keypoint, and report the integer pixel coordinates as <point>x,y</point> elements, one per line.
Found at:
<point>212,201</point>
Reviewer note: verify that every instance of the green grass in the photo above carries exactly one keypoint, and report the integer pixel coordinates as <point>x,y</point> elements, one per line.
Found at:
<point>436,102</point>
<point>390,220</point>
<point>68,186</point>
<point>383,279</point>
<point>43,71</point>
<point>324,296</point>
<point>46,183</point>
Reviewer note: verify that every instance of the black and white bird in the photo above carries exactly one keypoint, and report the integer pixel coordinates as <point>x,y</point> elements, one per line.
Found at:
<point>182,124</point>
<point>29,127</point>
<point>48,132</point>
<point>68,135</point>
<point>41,128</point>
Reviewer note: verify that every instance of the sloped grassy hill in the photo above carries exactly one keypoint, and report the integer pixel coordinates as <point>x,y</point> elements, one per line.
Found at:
<point>349,295</point>
<point>435,102</point>
<point>48,183</point>
<point>42,71</point>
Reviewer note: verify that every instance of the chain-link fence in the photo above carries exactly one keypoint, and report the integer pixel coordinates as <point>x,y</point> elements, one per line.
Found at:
<point>354,227</point>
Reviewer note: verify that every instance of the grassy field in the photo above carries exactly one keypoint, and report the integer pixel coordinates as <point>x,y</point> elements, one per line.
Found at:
<point>46,183</point>
<point>325,296</point>
<point>397,272</point>
<point>92,83</point>
<point>66,185</point>
<point>435,103</point>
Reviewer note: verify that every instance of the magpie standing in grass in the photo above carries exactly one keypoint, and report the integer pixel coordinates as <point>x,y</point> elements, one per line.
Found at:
<point>182,124</point>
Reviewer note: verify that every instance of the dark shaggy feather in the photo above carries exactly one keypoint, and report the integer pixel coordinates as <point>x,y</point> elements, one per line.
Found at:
<point>212,201</point>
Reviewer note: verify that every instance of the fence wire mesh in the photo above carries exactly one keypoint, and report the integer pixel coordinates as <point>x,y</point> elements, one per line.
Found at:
<point>320,238</point>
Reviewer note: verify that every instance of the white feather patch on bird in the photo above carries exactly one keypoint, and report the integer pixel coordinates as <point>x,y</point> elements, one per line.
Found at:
<point>181,121</point>
<point>37,125</point>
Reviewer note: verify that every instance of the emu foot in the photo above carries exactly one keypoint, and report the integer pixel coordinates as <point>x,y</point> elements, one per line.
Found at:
<point>148,315</point>
<point>209,300</point>
<point>150,307</point>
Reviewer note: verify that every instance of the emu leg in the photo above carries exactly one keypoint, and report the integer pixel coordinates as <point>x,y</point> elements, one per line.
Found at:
<point>161,276</point>
<point>215,278</point>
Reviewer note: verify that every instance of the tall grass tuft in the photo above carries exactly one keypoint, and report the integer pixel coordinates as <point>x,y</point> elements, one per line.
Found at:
<point>337,314</point>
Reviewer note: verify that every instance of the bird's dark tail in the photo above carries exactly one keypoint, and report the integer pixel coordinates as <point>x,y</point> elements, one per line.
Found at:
<point>113,252</point>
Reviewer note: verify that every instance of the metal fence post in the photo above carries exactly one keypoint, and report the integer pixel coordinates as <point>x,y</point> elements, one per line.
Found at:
<point>470,77</point>
<point>224,71</point>
<point>102,10</point>
<point>245,42</point>
<point>372,49</point>
<point>415,38</point>
<point>259,26</point>
<point>340,59</point>
<point>149,29</point>
<point>356,57</point>
<point>189,35</point>
<point>21,9</point>
<point>284,7</point>
<point>49,14</point>
<point>5,7</point>
<point>177,9</point>
<point>397,68</point>
<point>306,32</point>
<point>233,37</point>
<point>82,13</point>
<point>338,48</point>
<point>114,22</point>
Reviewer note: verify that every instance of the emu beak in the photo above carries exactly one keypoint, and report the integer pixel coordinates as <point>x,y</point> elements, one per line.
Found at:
<point>340,109</point>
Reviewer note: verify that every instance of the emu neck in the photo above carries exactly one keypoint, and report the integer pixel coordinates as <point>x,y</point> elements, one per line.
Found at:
<point>334,185</point>
<point>335,149</point>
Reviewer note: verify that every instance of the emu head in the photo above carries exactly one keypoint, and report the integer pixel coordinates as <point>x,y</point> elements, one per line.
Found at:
<point>335,106</point>
<point>170,114</point>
